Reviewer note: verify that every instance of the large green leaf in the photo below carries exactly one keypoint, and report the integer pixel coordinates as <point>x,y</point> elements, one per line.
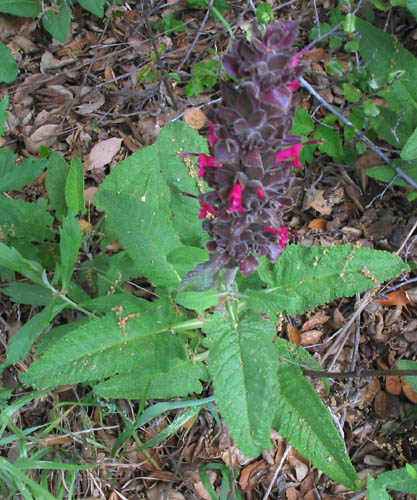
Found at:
<point>243,366</point>
<point>96,7</point>
<point>25,8</point>
<point>8,68</point>
<point>74,187</point>
<point>70,243</point>
<point>146,234</point>
<point>156,176</point>
<point>409,151</point>
<point>118,342</point>
<point>306,423</point>
<point>412,7</point>
<point>25,293</point>
<point>182,378</point>
<point>304,278</point>
<point>14,177</point>
<point>399,480</point>
<point>13,260</point>
<point>56,178</point>
<point>58,24</point>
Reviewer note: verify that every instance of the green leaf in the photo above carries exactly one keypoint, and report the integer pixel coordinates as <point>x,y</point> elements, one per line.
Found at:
<point>22,222</point>
<point>243,367</point>
<point>303,123</point>
<point>198,301</point>
<point>406,364</point>
<point>332,144</point>
<point>8,68</point>
<point>186,258</point>
<point>182,378</point>
<point>336,68</point>
<point>24,293</point>
<point>398,480</point>
<point>386,173</point>
<point>352,93</point>
<point>412,7</point>
<point>58,24</point>
<point>13,177</point>
<point>74,187</point>
<point>264,13</point>
<point>349,23</point>
<point>291,353</point>
<point>52,336</point>
<point>147,236</point>
<point>3,116</point>
<point>70,243</point>
<point>375,491</point>
<point>104,347</point>
<point>409,151</point>
<point>22,341</point>
<point>24,8</point>
<point>56,178</point>
<point>412,471</point>
<point>304,278</point>
<point>158,177</point>
<point>96,7</point>
<point>306,423</point>
<point>12,259</point>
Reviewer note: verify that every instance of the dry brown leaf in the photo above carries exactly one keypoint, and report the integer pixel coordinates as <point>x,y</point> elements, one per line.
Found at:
<point>318,224</point>
<point>94,103</point>
<point>294,335</point>
<point>317,320</point>
<point>396,298</point>
<point>311,337</point>
<point>195,118</point>
<point>109,73</point>
<point>45,135</point>
<point>408,391</point>
<point>48,61</point>
<point>131,145</point>
<point>411,295</point>
<point>393,385</point>
<point>370,391</point>
<point>244,480</point>
<point>316,200</point>
<point>382,404</point>
<point>103,153</point>
<point>292,493</point>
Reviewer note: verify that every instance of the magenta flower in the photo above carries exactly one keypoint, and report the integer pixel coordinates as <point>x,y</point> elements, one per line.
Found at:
<point>282,233</point>
<point>206,209</point>
<point>293,86</point>
<point>293,153</point>
<point>260,193</point>
<point>236,199</point>
<point>203,162</point>
<point>212,137</point>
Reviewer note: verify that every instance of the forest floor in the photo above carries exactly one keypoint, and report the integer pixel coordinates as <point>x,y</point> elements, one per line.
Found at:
<point>71,97</point>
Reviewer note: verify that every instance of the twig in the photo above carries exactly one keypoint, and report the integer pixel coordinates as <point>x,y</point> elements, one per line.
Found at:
<point>398,170</point>
<point>360,373</point>
<point>277,470</point>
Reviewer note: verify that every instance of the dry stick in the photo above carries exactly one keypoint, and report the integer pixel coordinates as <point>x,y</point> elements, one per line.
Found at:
<point>398,170</point>
<point>277,470</point>
<point>199,33</point>
<point>359,373</point>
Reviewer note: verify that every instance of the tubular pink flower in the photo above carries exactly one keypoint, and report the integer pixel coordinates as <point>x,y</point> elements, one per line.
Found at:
<point>212,137</point>
<point>203,162</point>
<point>236,199</point>
<point>260,194</point>
<point>206,209</point>
<point>293,153</point>
<point>282,233</point>
<point>293,86</point>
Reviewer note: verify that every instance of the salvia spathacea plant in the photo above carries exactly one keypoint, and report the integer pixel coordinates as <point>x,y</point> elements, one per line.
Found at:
<point>251,169</point>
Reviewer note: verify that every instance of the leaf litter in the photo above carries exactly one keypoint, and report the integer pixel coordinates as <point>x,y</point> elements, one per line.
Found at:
<point>84,98</point>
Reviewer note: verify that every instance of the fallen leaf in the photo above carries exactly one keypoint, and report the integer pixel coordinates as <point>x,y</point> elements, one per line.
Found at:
<point>411,295</point>
<point>244,480</point>
<point>393,384</point>
<point>396,298</point>
<point>316,200</point>
<point>103,153</point>
<point>317,320</point>
<point>48,61</point>
<point>195,118</point>
<point>294,335</point>
<point>382,404</point>
<point>45,135</point>
<point>318,224</point>
<point>311,337</point>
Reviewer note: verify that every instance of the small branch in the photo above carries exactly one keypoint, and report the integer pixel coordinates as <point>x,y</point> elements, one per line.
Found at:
<point>398,170</point>
<point>359,373</point>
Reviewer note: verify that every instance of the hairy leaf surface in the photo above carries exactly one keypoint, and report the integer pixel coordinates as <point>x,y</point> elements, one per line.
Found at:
<point>243,366</point>
<point>304,278</point>
<point>109,345</point>
<point>306,423</point>
<point>182,378</point>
